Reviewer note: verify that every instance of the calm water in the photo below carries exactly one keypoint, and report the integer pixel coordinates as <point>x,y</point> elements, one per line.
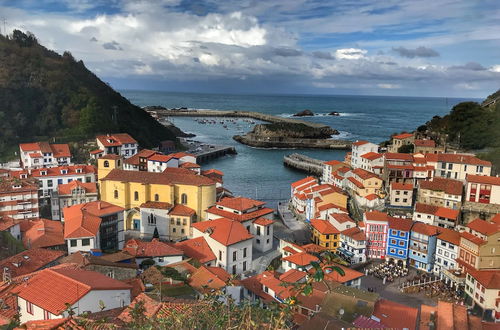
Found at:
<point>259,173</point>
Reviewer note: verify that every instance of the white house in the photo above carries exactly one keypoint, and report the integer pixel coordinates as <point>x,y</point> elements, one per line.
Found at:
<point>45,295</point>
<point>162,253</point>
<point>372,162</point>
<point>353,245</point>
<point>436,215</point>
<point>93,225</point>
<point>159,163</point>
<point>447,248</point>
<point>51,177</point>
<point>458,166</point>
<point>154,216</point>
<point>229,241</point>
<point>43,154</point>
<point>120,144</point>
<point>360,148</point>
<point>72,193</point>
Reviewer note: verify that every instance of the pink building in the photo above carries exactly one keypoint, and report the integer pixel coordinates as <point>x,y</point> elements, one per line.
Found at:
<point>376,224</point>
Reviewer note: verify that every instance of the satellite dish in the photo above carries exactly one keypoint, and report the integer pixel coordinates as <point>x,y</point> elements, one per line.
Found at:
<point>341,311</point>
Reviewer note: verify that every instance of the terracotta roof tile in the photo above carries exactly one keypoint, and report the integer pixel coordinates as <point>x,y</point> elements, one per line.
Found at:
<point>224,231</point>
<point>70,170</point>
<point>400,224</point>
<point>403,136</point>
<point>67,188</point>
<point>355,233</point>
<point>360,143</point>
<point>43,233</point>
<point>240,217</point>
<point>189,165</point>
<point>116,139</point>
<point>462,159</point>
<point>449,186</point>
<point>324,227</point>
<point>168,177</point>
<point>484,227</point>
<point>364,174</point>
<point>444,212</point>
<point>426,229</point>
<point>29,261</point>
<point>398,156</point>
<point>449,235</point>
<point>292,276</point>
<point>157,205</point>
<point>196,248</point>
<point>240,203</point>
<point>490,279</point>
<point>207,278</point>
<point>263,221</point>
<point>395,315</point>
<point>493,180</point>
<point>155,248</point>
<point>376,216</point>
<point>333,162</point>
<point>341,217</point>
<point>135,159</point>
<point>372,155</point>
<point>84,220</point>
<point>474,239</point>
<point>303,181</point>
<point>182,210</point>
<point>301,258</point>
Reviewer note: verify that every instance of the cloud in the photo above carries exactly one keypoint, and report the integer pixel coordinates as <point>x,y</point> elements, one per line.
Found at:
<point>388,86</point>
<point>286,52</point>
<point>350,53</point>
<point>417,52</point>
<point>495,68</point>
<point>323,55</point>
<point>473,66</point>
<point>113,45</point>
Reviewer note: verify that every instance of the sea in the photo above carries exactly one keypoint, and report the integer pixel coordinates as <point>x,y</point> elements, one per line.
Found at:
<point>260,173</point>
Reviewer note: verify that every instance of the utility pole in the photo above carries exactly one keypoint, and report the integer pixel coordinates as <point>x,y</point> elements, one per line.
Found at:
<point>4,30</point>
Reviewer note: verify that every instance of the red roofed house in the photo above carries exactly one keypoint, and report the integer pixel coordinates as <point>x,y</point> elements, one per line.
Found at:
<point>120,144</point>
<point>139,161</point>
<point>161,253</point>
<point>401,194</point>
<point>427,147</point>
<point>441,192</point>
<point>398,167</point>
<point>422,246</point>
<point>230,241</point>
<point>7,224</point>
<point>324,234</point>
<point>250,213</point>
<point>377,226</point>
<point>166,220</point>
<point>445,264</point>
<point>45,295</point>
<point>436,215</point>
<point>93,225</point>
<point>19,198</point>
<point>43,154</point>
<point>28,261</point>
<point>330,167</point>
<point>197,248</point>
<point>158,163</point>
<point>353,245</point>
<point>43,233</point>
<point>360,148</point>
<point>395,316</point>
<point>482,189</point>
<point>68,194</point>
<point>400,140</point>
<point>458,166</point>
<point>372,162</point>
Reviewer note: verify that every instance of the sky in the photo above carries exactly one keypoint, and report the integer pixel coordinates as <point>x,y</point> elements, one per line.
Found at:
<point>393,47</point>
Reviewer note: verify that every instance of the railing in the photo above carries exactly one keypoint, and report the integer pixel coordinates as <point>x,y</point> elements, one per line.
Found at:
<point>419,282</point>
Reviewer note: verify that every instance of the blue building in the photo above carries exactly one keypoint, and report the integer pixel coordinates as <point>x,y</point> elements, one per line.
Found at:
<point>423,246</point>
<point>398,240</point>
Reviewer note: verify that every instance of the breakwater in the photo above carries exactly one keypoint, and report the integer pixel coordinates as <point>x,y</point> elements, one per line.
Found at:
<point>259,141</point>
<point>304,163</point>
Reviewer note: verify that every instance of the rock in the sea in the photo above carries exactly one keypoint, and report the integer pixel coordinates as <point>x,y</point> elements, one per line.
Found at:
<point>304,113</point>
<point>334,113</point>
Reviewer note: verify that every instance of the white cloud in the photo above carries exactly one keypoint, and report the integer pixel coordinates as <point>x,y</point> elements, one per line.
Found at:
<point>388,86</point>
<point>350,53</point>
<point>495,68</point>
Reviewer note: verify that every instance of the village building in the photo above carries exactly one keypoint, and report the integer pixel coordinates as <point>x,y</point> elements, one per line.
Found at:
<point>11,226</point>
<point>353,245</point>
<point>159,163</point>
<point>377,227</point>
<point>399,140</point>
<point>93,225</point>
<point>372,162</point>
<point>427,146</point>
<point>43,154</point>
<point>28,261</point>
<point>115,269</point>
<point>401,195</point>
<point>19,198</point>
<point>131,189</point>
<point>458,166</point>
<point>398,240</point>
<point>250,213</point>
<point>139,161</point>
<point>181,219</point>
<point>154,220</point>
<point>198,249</point>
<point>482,189</point>
<point>230,241</point>
<point>43,233</point>
<point>342,221</point>
<point>324,234</point>
<point>360,148</point>
<point>398,167</point>
<point>121,144</point>
<point>72,193</point>
<point>436,215</point>
<point>161,253</point>
<point>441,192</point>
<point>423,246</point>
<point>329,168</point>
<point>447,249</point>
<point>45,295</point>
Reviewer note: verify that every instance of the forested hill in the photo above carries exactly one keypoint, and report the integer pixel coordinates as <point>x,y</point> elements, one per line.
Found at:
<point>471,126</point>
<point>44,95</point>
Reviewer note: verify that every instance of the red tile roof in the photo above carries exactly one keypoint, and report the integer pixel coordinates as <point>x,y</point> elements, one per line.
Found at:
<point>84,220</point>
<point>29,261</point>
<point>349,274</point>
<point>401,186</point>
<point>376,216</point>
<point>403,136</point>
<point>372,155</point>
<point>240,217</point>
<point>58,150</point>
<point>88,187</point>
<point>355,233</point>
<point>135,159</point>
<point>333,162</point>
<point>312,248</point>
<point>116,139</point>
<point>240,203</point>
<point>474,239</point>
<point>303,181</point>
<point>224,231</point>
<point>96,152</point>
<point>43,233</point>
<point>425,208</point>
<point>493,180</point>
<point>157,205</point>
<point>254,284</point>
<point>196,248</point>
<point>394,315</point>
<point>182,210</point>
<point>182,154</point>
<point>444,212</point>
<point>189,165</point>
<point>330,206</point>
<point>6,223</point>
<point>364,174</point>
<point>155,248</point>
<point>161,158</point>
<point>371,197</point>
<point>400,224</point>
<point>301,258</point>
<point>70,170</point>
<point>398,156</point>
<point>324,227</point>
<point>484,227</point>
<point>425,143</point>
<point>449,186</point>
<point>263,222</point>
<point>168,177</point>
<point>292,276</point>
<point>356,182</point>
<point>423,228</point>
<point>462,159</point>
<point>490,279</point>
<point>360,143</point>
<point>52,289</point>
<point>341,217</point>
<point>449,235</point>
<point>212,171</point>
<point>206,278</point>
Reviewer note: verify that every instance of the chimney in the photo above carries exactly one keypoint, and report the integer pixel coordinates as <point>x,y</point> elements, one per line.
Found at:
<point>99,205</point>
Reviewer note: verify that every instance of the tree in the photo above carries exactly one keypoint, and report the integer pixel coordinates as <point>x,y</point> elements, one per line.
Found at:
<point>156,234</point>
<point>406,149</point>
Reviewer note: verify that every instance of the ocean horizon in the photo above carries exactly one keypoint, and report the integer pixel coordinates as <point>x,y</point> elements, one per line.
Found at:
<point>259,173</point>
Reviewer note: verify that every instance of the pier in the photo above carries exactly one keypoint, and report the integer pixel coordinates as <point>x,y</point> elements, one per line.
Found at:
<point>304,163</point>
<point>213,152</point>
<point>234,113</point>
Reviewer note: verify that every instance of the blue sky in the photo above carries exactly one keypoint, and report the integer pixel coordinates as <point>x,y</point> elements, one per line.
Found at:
<point>405,47</point>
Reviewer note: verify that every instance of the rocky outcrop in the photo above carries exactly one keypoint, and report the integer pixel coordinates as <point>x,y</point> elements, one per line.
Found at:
<point>334,113</point>
<point>304,113</point>
<point>291,143</point>
<point>293,130</point>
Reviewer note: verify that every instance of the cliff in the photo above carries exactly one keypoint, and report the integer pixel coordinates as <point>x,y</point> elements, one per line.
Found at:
<point>291,130</point>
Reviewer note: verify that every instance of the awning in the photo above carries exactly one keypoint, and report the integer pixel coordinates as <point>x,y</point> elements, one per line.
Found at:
<point>345,252</point>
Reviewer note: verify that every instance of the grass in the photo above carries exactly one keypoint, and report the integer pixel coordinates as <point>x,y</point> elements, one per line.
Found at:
<point>9,245</point>
<point>176,291</point>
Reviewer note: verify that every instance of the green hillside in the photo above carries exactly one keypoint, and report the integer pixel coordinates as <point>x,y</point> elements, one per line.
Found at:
<point>44,95</point>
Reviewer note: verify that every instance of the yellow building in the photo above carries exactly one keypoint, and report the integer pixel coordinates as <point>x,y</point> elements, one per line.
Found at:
<point>324,234</point>
<point>107,163</point>
<point>130,189</point>
<point>181,218</point>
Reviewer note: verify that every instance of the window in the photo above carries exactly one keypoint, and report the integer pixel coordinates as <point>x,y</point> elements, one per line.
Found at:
<point>136,195</point>
<point>172,221</point>
<point>244,252</point>
<point>116,194</point>
<point>46,315</point>
<point>157,197</point>
<point>234,256</point>
<point>184,199</point>
<point>268,230</point>
<point>234,269</point>
<point>220,255</point>
<point>258,230</point>
<point>73,242</point>
<point>106,163</point>
<point>173,230</point>
<point>85,241</point>
<point>29,307</point>
<point>244,265</point>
